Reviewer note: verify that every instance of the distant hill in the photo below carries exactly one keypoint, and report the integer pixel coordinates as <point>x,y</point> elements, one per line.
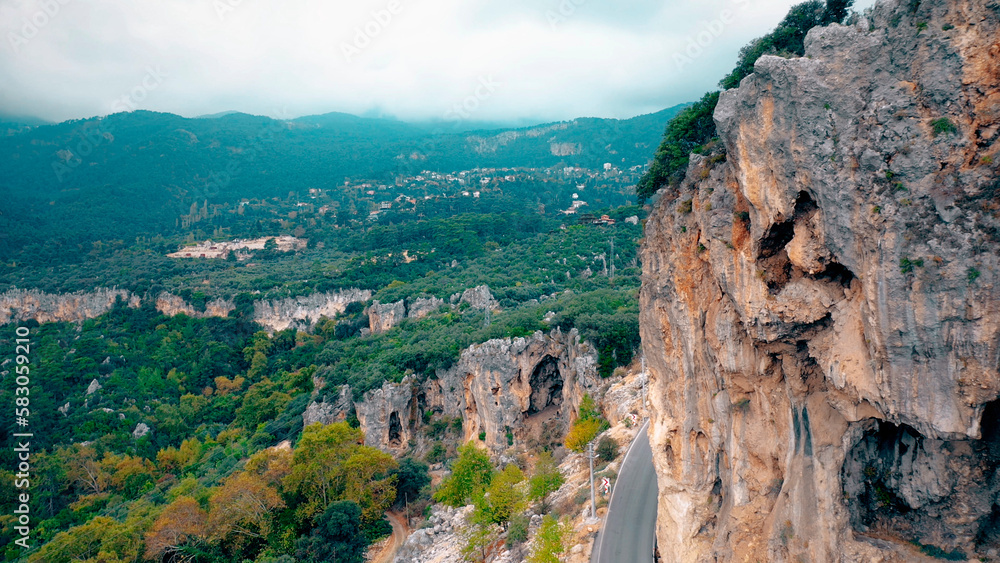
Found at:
<point>14,124</point>
<point>587,142</point>
<point>217,114</point>
<point>132,174</point>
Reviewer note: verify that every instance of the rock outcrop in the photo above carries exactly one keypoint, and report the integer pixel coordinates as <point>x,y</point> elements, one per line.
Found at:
<point>280,314</point>
<point>140,430</point>
<point>820,308</point>
<point>441,542</point>
<point>390,414</point>
<point>329,412</point>
<point>423,306</point>
<point>384,316</point>
<point>478,297</point>
<point>504,390</point>
<point>302,312</point>
<point>94,387</point>
<point>171,305</point>
<point>22,304</point>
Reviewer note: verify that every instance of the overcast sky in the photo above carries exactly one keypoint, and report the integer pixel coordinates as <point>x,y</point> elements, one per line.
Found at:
<point>523,60</point>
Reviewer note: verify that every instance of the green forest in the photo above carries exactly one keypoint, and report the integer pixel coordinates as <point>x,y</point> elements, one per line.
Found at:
<point>172,438</point>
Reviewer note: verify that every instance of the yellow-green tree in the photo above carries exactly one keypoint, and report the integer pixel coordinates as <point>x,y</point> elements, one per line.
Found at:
<point>505,497</point>
<point>545,480</point>
<point>316,465</point>
<point>100,539</point>
<point>582,432</point>
<point>368,481</point>
<point>550,541</point>
<point>479,536</point>
<point>589,423</point>
<point>330,463</point>
<point>470,475</point>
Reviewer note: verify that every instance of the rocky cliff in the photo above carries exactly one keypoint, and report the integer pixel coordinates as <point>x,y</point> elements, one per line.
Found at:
<point>509,389</point>
<point>279,314</point>
<point>820,308</point>
<point>385,316</point>
<point>171,305</point>
<point>21,304</point>
<point>303,312</point>
<point>505,391</point>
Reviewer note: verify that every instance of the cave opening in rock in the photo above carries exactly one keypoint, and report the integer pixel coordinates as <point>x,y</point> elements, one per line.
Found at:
<point>988,536</point>
<point>546,386</point>
<point>780,234</point>
<point>395,429</point>
<point>777,238</point>
<point>775,267</point>
<point>870,485</point>
<point>941,495</point>
<point>544,423</point>
<point>837,273</point>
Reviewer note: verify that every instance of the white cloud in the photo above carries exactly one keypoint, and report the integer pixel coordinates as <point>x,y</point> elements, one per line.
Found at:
<point>554,59</point>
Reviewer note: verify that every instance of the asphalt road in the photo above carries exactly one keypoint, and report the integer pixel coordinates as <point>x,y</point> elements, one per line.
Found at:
<point>628,535</point>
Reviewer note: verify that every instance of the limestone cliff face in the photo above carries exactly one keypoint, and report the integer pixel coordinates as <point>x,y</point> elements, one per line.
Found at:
<point>279,314</point>
<point>384,316</point>
<point>303,312</point>
<point>820,309</point>
<point>510,385</point>
<point>20,305</point>
<point>500,387</point>
<point>171,305</point>
<point>423,306</point>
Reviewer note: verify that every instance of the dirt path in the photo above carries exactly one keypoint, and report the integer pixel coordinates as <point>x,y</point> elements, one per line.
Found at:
<point>399,533</point>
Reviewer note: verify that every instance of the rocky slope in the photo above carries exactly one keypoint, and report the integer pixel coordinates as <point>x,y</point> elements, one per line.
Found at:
<point>820,309</point>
